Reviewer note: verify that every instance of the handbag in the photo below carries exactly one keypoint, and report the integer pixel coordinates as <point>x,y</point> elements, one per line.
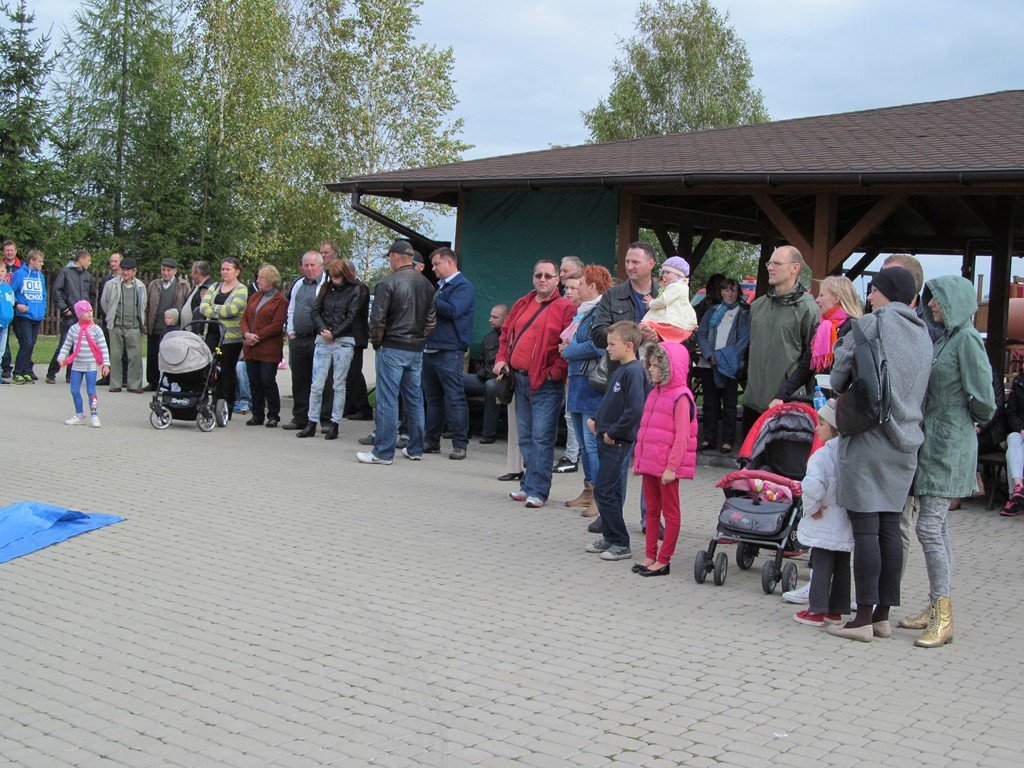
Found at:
<point>865,402</point>
<point>505,387</point>
<point>598,378</point>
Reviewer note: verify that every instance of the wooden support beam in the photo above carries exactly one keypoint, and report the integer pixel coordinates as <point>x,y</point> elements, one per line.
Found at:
<point>629,229</point>
<point>861,264</point>
<point>732,224</point>
<point>924,211</point>
<point>999,287</point>
<point>664,239</point>
<point>863,229</point>
<point>790,231</point>
<point>686,241</point>
<point>824,234</point>
<point>767,247</point>
<point>701,249</point>
<point>968,263</point>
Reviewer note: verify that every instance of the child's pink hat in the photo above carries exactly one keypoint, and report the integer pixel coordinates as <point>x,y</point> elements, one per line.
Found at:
<point>81,307</point>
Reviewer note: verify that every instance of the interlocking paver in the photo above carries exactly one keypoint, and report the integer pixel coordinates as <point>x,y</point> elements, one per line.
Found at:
<point>272,602</point>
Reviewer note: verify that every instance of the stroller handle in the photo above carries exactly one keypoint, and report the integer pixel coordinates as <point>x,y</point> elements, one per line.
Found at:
<point>209,323</point>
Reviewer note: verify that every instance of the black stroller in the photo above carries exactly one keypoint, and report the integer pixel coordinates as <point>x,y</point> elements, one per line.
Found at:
<point>762,500</point>
<point>189,372</point>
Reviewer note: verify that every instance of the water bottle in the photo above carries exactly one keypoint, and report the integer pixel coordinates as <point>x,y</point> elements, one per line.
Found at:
<point>819,398</point>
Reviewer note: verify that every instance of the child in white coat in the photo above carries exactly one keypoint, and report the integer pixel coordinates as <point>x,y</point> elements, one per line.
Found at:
<point>825,527</point>
<point>670,314</point>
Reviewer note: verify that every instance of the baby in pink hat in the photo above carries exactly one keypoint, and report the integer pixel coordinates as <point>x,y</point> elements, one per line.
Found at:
<point>671,314</point>
<point>85,350</point>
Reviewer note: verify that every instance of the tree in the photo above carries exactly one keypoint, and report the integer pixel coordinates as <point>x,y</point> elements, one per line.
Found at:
<point>685,69</point>
<point>26,173</point>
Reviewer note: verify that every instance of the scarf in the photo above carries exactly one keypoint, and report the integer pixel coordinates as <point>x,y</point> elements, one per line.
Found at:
<point>83,331</point>
<point>581,313</point>
<point>825,338</point>
<point>719,312</point>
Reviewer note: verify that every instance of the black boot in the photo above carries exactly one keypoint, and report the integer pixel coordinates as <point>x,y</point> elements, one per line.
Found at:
<point>332,432</point>
<point>307,431</point>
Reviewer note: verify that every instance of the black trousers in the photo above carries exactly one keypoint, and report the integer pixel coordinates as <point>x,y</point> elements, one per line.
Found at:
<point>153,361</point>
<point>749,417</point>
<point>877,557</point>
<point>300,360</point>
<point>229,354</point>
<point>263,389</point>
<point>830,587</point>
<point>54,367</point>
<point>357,398</point>
<point>719,408</point>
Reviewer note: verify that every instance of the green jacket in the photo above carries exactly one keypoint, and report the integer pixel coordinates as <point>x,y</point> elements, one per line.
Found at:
<point>781,328</point>
<point>959,395</point>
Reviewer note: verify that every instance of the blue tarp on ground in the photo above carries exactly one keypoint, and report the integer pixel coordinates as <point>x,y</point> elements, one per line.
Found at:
<point>26,526</point>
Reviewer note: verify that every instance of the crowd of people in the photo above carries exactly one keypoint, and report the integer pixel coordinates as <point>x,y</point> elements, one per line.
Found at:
<point>615,361</point>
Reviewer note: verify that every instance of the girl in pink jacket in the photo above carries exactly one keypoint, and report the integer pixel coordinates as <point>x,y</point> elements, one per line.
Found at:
<point>666,450</point>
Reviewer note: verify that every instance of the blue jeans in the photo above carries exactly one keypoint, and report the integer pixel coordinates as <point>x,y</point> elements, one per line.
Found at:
<point>537,415</point>
<point>90,388</point>
<point>445,397</point>
<point>339,352</point>
<point>244,394</point>
<point>398,370</point>
<point>588,441</point>
<point>610,490</point>
<point>26,331</point>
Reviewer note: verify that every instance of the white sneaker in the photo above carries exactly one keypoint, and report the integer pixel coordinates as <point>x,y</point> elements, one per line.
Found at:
<point>409,456</point>
<point>801,596</point>
<point>75,421</point>
<point>369,458</point>
<point>95,421</point>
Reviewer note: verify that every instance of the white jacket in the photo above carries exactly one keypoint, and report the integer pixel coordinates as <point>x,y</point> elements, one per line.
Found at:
<point>832,531</point>
<point>672,307</point>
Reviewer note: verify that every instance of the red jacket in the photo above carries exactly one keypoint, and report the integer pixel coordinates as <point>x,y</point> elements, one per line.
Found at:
<point>268,324</point>
<point>546,361</point>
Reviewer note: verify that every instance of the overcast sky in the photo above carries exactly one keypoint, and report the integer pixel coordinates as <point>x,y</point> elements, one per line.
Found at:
<point>525,70</point>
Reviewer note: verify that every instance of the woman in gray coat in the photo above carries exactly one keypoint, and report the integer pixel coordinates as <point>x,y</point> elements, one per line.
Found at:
<point>877,466</point>
<point>960,395</point>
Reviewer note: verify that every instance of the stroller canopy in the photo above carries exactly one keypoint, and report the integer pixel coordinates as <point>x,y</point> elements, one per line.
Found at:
<point>782,440</point>
<point>183,352</point>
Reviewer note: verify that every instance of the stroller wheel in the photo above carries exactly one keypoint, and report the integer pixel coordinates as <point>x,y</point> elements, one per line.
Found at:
<point>160,417</point>
<point>768,580</point>
<point>220,412</point>
<point>205,419</point>
<point>721,568</point>
<point>700,567</point>
<point>745,556</point>
<point>789,577</point>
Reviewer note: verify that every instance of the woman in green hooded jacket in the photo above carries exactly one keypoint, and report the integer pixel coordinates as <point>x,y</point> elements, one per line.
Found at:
<point>959,396</point>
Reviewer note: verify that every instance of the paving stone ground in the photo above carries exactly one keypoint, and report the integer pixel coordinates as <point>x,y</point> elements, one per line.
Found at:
<point>270,602</point>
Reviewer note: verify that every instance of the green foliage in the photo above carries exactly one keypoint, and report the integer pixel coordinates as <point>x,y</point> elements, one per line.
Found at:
<point>686,69</point>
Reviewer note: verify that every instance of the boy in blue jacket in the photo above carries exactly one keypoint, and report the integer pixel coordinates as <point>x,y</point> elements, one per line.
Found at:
<point>29,286</point>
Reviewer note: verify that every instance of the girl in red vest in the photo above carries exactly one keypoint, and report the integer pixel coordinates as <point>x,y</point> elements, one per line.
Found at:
<point>666,450</point>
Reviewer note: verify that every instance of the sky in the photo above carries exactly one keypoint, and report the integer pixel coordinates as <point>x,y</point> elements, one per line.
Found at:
<point>525,70</point>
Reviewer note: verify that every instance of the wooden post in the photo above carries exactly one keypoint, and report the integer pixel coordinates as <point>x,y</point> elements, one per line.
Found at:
<point>460,219</point>
<point>969,261</point>
<point>767,247</point>
<point>664,239</point>
<point>629,229</point>
<point>686,242</point>
<point>824,234</point>
<point>999,291</point>
<point>861,264</point>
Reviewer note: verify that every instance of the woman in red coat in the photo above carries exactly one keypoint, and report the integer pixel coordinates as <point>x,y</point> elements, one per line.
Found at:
<point>262,342</point>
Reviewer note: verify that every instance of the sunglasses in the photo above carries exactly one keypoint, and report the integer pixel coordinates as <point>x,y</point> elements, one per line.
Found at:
<point>543,276</point>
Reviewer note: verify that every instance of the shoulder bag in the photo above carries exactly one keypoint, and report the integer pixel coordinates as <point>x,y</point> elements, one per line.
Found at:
<point>505,387</point>
<point>865,402</point>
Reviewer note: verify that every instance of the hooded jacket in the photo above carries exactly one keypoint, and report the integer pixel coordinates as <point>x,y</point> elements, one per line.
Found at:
<point>30,289</point>
<point>656,449</point>
<point>6,304</point>
<point>959,395</point>
<point>831,531</point>
<point>71,285</point>
<point>781,328</point>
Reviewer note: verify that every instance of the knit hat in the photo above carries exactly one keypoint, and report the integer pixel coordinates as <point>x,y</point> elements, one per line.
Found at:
<point>827,413</point>
<point>677,265</point>
<point>81,307</point>
<point>896,284</point>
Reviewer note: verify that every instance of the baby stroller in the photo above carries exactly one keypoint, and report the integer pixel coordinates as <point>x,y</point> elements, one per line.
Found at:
<point>762,500</point>
<point>189,370</point>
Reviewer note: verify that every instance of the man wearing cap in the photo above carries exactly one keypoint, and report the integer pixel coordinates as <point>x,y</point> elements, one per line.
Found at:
<point>402,317</point>
<point>72,285</point>
<point>782,326</point>
<point>166,292</point>
<point>302,340</point>
<point>202,279</point>
<point>124,307</point>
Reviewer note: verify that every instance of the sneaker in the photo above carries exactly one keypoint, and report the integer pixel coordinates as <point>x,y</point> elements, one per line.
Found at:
<point>94,421</point>
<point>368,440</point>
<point>431,448</point>
<point>457,454</point>
<point>409,456</point>
<point>1012,508</point>
<point>370,458</point>
<point>22,380</point>
<point>517,495</point>
<point>6,376</point>
<point>601,545</point>
<point>564,465</point>
<point>801,596</point>
<point>532,502</point>
<point>75,421</point>
<point>403,440</point>
<point>810,619</point>
<point>32,376</point>
<point>51,380</point>
<point>241,407</point>
<point>617,553</point>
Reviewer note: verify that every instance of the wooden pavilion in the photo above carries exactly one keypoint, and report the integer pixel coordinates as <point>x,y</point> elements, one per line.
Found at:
<point>934,178</point>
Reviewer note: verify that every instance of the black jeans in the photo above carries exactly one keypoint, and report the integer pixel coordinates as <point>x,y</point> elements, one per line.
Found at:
<point>749,417</point>
<point>357,398</point>
<point>830,587</point>
<point>27,331</point>
<point>609,490</point>
<point>263,389</point>
<point>877,557</point>
<point>153,361</point>
<point>54,367</point>
<point>719,406</point>
<point>229,354</point>
<point>300,360</point>
<point>474,385</point>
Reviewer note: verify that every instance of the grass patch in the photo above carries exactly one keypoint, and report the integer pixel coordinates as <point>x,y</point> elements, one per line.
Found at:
<point>44,349</point>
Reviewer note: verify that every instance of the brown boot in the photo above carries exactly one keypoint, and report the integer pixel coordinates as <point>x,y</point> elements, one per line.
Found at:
<point>585,497</point>
<point>591,510</point>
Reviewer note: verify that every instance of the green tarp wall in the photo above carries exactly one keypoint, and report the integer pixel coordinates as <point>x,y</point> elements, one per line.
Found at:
<point>505,233</point>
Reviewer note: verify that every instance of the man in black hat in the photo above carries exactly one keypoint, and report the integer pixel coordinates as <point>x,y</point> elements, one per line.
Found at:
<point>124,310</point>
<point>72,284</point>
<point>166,292</point>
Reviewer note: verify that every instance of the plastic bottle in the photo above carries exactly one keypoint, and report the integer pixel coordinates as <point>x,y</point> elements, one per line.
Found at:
<point>819,398</point>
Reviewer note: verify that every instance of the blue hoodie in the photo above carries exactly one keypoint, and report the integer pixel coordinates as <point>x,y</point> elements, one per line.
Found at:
<point>6,304</point>
<point>30,289</point>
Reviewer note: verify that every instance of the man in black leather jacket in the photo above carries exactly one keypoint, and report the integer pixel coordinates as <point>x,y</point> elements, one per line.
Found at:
<point>400,320</point>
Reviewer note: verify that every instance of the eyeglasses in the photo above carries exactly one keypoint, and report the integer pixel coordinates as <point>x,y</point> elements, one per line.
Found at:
<point>778,264</point>
<point>543,276</point>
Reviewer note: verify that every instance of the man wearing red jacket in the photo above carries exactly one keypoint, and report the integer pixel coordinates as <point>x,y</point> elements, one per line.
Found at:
<point>528,349</point>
